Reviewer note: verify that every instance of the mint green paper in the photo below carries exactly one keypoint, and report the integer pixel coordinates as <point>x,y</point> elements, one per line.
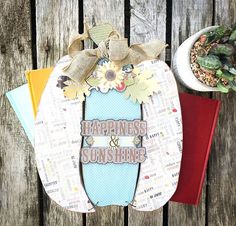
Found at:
<point>19,99</point>
<point>111,183</point>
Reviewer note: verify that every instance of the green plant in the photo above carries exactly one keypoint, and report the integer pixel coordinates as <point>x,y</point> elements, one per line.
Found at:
<point>218,56</point>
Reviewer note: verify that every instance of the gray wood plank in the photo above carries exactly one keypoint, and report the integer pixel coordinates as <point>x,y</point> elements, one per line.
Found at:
<point>145,218</point>
<point>106,216</point>
<point>147,22</point>
<point>188,17</point>
<point>97,12</point>
<point>182,214</point>
<point>18,175</point>
<point>56,22</point>
<point>222,165</point>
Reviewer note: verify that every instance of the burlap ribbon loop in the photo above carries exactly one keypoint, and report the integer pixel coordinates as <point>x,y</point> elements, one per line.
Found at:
<point>118,49</point>
<point>76,44</point>
<point>114,47</point>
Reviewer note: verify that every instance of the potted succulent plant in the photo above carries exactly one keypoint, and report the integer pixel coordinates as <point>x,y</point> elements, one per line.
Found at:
<point>207,60</point>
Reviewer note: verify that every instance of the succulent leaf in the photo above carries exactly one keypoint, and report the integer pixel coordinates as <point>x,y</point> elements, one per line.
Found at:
<point>222,31</point>
<point>222,49</point>
<point>209,62</point>
<point>232,37</point>
<point>222,88</point>
<point>230,68</point>
<point>234,44</point>
<point>214,35</point>
<point>232,85</point>
<point>224,74</point>
<point>224,39</point>
<point>233,26</point>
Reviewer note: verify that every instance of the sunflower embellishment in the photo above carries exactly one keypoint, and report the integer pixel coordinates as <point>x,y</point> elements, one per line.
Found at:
<point>109,76</point>
<point>137,84</point>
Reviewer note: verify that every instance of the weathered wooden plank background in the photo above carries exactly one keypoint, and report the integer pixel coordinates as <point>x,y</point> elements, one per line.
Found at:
<point>35,34</point>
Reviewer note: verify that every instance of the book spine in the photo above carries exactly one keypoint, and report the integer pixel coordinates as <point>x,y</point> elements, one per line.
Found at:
<point>19,115</point>
<point>208,151</point>
<point>32,97</point>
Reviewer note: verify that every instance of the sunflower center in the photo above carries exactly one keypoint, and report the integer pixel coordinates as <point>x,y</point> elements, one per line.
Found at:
<point>110,75</point>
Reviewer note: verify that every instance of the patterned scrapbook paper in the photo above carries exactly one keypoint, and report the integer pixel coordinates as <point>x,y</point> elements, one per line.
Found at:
<point>57,145</point>
<point>159,174</point>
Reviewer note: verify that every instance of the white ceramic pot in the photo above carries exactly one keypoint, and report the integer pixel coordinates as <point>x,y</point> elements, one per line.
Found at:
<point>181,64</point>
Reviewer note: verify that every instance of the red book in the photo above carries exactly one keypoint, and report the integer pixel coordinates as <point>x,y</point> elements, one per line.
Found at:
<point>199,115</point>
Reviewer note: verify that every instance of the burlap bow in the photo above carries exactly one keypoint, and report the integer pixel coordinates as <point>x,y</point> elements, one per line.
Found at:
<point>110,45</point>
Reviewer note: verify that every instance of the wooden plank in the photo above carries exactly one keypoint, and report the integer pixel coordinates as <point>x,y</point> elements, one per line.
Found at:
<point>147,22</point>
<point>145,218</point>
<point>97,12</point>
<point>18,175</point>
<point>188,17</point>
<point>222,165</point>
<point>56,22</point>
<point>182,214</point>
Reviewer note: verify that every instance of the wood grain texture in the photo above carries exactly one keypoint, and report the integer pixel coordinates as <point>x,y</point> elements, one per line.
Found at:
<point>106,216</point>
<point>222,164</point>
<point>18,175</point>
<point>147,22</point>
<point>188,17</point>
<point>96,12</point>
<point>154,218</point>
<point>182,214</point>
<point>56,22</point>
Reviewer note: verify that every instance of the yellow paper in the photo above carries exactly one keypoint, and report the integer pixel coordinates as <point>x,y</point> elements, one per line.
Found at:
<point>37,80</point>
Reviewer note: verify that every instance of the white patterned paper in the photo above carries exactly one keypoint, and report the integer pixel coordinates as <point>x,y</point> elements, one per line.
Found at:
<point>159,173</point>
<point>57,146</point>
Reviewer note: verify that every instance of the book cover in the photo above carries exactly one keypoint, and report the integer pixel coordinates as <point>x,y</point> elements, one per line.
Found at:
<point>199,115</point>
<point>37,80</point>
<point>19,99</point>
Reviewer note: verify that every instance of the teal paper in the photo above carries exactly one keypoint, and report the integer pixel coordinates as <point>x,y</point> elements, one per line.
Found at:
<point>111,183</point>
<point>21,103</point>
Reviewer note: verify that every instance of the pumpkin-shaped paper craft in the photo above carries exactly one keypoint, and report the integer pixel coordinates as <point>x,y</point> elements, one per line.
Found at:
<point>123,145</point>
